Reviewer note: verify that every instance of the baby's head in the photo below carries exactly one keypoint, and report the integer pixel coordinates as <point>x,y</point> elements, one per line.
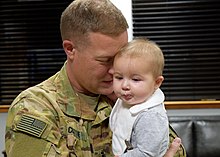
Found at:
<point>144,49</point>
<point>138,69</point>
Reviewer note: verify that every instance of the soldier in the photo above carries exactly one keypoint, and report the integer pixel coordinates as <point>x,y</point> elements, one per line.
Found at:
<point>67,115</point>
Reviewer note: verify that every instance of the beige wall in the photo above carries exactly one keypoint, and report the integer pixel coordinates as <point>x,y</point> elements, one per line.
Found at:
<point>3,117</point>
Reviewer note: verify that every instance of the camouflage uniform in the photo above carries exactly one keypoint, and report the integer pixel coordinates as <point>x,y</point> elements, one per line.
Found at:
<point>51,120</point>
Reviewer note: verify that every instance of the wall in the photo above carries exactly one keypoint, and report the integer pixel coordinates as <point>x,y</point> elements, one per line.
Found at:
<point>3,117</point>
<point>127,12</point>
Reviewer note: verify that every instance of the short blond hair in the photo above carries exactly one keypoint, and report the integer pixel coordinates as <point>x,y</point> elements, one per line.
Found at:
<point>84,16</point>
<point>144,48</point>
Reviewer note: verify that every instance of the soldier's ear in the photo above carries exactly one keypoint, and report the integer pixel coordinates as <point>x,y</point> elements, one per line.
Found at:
<point>69,48</point>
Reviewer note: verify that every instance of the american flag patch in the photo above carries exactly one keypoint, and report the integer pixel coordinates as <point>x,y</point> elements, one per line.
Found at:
<point>31,125</point>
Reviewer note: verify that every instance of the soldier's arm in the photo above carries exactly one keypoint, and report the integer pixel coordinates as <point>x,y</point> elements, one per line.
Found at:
<point>176,149</point>
<point>30,132</point>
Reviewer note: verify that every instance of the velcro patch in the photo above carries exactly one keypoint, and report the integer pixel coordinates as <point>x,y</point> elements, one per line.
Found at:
<point>31,125</point>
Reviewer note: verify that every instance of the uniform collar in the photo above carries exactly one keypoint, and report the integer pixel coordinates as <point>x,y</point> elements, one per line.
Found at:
<point>73,105</point>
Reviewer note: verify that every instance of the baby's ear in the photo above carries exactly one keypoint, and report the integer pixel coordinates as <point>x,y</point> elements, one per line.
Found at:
<point>69,49</point>
<point>158,81</point>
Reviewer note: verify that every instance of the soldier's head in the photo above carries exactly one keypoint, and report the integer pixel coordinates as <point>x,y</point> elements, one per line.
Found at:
<point>82,17</point>
<point>92,32</point>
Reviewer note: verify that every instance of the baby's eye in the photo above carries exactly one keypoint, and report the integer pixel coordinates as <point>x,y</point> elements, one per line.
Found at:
<point>136,79</point>
<point>118,77</point>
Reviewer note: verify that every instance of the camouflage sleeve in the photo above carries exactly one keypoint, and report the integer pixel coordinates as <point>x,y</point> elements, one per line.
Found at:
<point>31,130</point>
<point>172,135</point>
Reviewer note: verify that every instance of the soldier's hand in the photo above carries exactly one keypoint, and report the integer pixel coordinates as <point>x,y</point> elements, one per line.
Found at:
<point>175,145</point>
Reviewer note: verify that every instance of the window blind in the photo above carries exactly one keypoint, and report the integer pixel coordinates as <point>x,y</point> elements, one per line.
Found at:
<point>30,44</point>
<point>188,32</point>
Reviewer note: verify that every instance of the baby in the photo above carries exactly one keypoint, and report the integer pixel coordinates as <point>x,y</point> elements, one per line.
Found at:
<point>138,120</point>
